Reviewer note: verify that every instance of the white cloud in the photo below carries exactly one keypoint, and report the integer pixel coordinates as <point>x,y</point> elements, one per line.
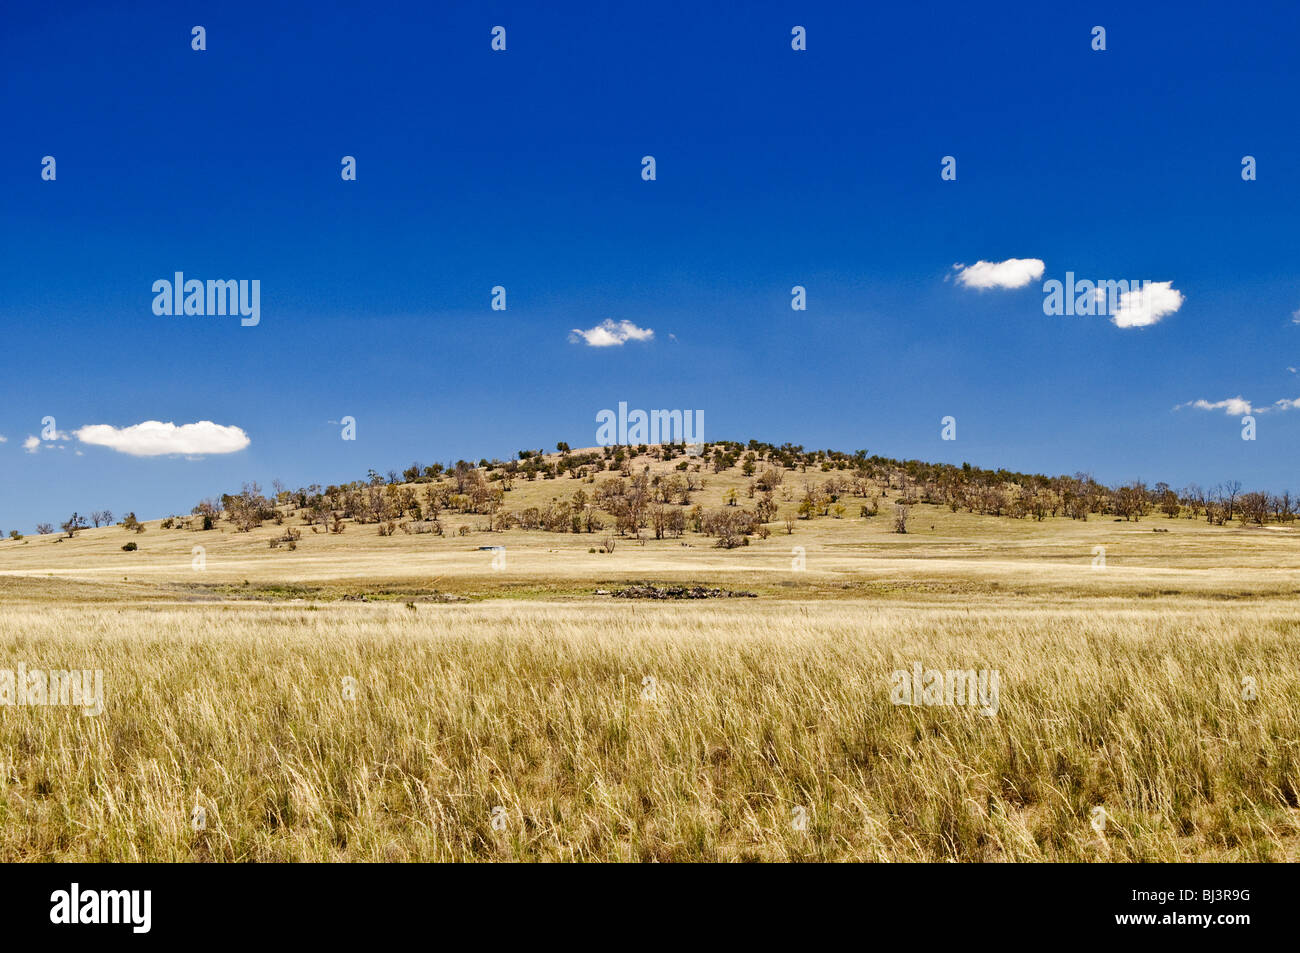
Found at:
<point>3,438</point>
<point>1295,317</point>
<point>153,438</point>
<point>44,442</point>
<point>1012,273</point>
<point>610,334</point>
<point>1147,305</point>
<point>1233,406</point>
<point>1240,406</point>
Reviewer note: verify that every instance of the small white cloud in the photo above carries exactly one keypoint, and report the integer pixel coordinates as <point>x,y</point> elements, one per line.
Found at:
<point>1147,305</point>
<point>1295,317</point>
<point>3,438</point>
<point>611,334</point>
<point>1233,406</point>
<point>1012,273</point>
<point>31,444</point>
<point>153,438</point>
<point>1240,406</point>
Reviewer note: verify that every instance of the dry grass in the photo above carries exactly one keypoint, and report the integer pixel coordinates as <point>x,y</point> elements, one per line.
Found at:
<point>760,709</point>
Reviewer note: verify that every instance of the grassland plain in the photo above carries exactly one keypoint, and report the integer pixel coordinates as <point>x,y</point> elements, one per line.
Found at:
<point>367,697</point>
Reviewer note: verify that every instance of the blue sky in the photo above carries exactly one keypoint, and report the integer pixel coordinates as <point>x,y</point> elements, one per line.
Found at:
<point>775,168</point>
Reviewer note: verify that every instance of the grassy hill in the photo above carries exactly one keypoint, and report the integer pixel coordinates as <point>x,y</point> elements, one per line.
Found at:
<point>842,553</point>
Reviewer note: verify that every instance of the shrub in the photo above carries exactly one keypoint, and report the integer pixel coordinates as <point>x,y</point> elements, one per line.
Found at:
<point>291,537</point>
<point>130,547</point>
<point>732,526</point>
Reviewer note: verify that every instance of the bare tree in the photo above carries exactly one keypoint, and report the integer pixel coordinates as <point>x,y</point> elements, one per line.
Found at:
<point>659,519</point>
<point>1229,491</point>
<point>247,510</point>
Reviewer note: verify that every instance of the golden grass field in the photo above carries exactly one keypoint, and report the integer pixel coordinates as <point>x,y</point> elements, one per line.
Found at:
<point>520,689</point>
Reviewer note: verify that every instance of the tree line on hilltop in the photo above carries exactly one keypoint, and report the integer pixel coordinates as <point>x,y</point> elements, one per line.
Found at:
<point>619,494</point>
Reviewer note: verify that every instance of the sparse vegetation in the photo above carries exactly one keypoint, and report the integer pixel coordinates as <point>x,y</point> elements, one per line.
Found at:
<point>647,483</point>
<point>1121,688</point>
